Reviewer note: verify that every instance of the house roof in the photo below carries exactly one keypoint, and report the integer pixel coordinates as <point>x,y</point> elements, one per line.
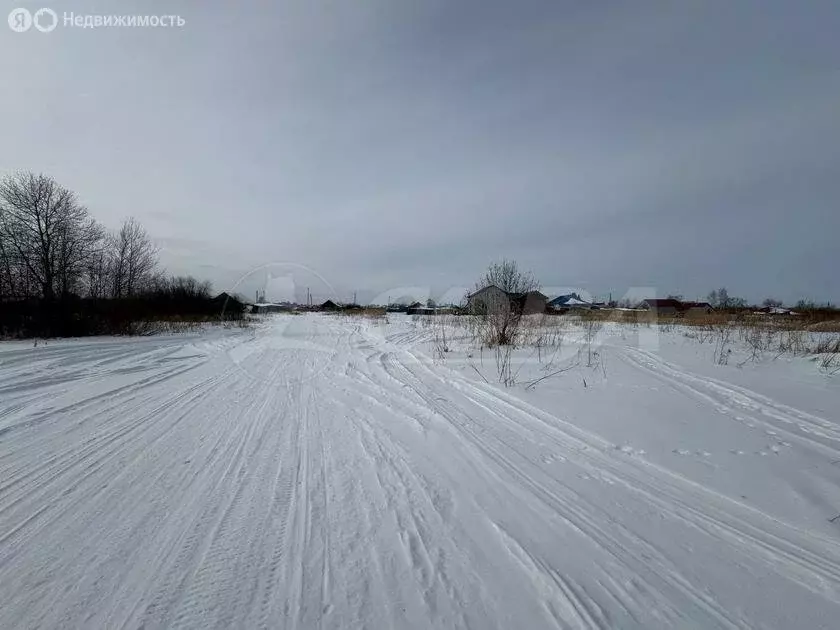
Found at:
<point>663,303</point>
<point>225,298</point>
<point>676,304</point>
<point>483,289</point>
<point>514,296</point>
<point>569,299</point>
<point>532,294</point>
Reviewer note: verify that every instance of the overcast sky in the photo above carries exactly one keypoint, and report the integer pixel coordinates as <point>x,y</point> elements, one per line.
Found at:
<point>384,143</point>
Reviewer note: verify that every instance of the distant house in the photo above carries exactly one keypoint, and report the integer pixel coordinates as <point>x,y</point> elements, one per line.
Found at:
<point>692,309</point>
<point>529,303</point>
<point>263,308</point>
<point>421,310</point>
<point>673,307</point>
<point>492,297</point>
<point>570,301</point>
<point>662,306</point>
<point>329,305</point>
<point>776,310</point>
<point>228,305</point>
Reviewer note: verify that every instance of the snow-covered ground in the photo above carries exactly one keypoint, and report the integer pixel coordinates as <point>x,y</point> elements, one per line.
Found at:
<point>321,471</point>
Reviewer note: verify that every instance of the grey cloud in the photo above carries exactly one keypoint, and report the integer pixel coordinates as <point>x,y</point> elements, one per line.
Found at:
<point>382,144</point>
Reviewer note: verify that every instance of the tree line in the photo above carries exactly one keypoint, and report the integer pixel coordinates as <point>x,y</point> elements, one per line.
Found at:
<point>64,273</point>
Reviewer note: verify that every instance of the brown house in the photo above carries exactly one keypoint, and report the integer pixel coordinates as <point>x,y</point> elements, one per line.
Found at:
<point>693,309</point>
<point>491,297</point>
<point>672,307</point>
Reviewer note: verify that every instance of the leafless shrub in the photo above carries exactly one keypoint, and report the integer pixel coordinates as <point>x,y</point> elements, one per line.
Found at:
<point>723,342</point>
<point>827,349</point>
<point>591,328</point>
<point>827,345</point>
<point>496,302</point>
<point>830,363</point>
<point>793,342</point>
<point>440,342</point>
<point>758,340</point>
<point>541,332</point>
<point>503,355</point>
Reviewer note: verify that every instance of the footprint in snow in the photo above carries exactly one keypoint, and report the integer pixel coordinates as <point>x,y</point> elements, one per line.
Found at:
<point>550,459</point>
<point>685,452</point>
<point>629,450</point>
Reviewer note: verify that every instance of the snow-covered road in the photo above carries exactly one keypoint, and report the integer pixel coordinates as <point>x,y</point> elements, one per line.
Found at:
<point>318,472</point>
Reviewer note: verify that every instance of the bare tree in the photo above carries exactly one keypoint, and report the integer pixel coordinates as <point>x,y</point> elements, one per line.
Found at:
<point>77,245</point>
<point>134,258</point>
<point>722,299</point>
<point>13,279</point>
<point>719,298</point>
<point>507,276</point>
<point>499,301</point>
<point>98,272</point>
<point>46,233</point>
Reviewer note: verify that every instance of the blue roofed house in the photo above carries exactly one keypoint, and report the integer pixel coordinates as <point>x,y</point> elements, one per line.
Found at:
<point>569,301</point>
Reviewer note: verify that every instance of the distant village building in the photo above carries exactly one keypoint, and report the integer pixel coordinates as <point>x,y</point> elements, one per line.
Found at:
<point>693,309</point>
<point>421,310</point>
<point>329,305</point>
<point>570,301</point>
<point>264,308</point>
<point>776,310</point>
<point>662,306</point>
<point>671,307</point>
<point>229,306</point>
<point>492,297</point>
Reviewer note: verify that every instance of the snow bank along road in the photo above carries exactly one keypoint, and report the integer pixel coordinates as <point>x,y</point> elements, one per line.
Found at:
<point>318,473</point>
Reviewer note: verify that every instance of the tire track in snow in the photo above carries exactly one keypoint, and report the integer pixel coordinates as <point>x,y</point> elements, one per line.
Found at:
<point>188,581</point>
<point>98,450</point>
<point>783,547</point>
<point>331,501</point>
<point>786,552</point>
<point>567,603</point>
<point>737,402</point>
